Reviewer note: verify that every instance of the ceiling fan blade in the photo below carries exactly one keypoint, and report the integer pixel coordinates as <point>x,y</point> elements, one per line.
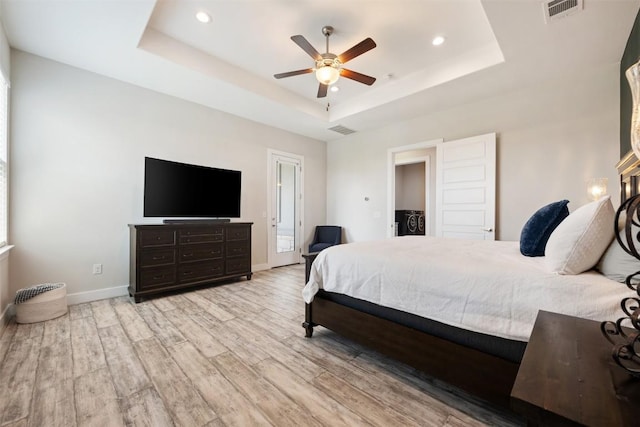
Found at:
<point>322,90</point>
<point>362,47</point>
<point>293,73</point>
<point>362,78</point>
<point>306,46</point>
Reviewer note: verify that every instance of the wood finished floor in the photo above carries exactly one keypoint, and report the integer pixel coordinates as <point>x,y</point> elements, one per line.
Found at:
<point>228,355</point>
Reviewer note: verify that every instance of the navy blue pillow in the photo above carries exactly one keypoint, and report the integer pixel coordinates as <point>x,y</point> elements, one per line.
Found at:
<point>536,232</point>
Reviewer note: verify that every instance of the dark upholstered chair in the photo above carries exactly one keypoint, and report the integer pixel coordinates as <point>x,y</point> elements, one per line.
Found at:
<point>325,236</point>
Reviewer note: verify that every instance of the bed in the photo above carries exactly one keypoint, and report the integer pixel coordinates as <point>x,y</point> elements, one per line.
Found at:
<point>445,336</point>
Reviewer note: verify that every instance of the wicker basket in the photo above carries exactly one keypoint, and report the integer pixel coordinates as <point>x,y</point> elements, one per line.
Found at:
<point>46,306</point>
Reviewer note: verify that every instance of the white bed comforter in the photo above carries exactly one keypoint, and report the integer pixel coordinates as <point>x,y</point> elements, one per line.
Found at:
<point>483,286</point>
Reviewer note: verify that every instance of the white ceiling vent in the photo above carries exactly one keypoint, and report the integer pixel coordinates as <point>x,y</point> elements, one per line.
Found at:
<point>343,130</point>
<point>558,9</point>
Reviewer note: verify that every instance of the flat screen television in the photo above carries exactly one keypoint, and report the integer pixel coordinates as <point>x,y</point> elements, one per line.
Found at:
<point>181,190</point>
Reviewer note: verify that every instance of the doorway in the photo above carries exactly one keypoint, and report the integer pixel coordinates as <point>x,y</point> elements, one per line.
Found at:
<point>420,153</point>
<point>462,198</point>
<point>285,208</point>
<point>413,189</point>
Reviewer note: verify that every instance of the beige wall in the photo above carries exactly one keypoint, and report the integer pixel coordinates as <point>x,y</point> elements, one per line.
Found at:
<point>79,142</point>
<point>410,186</point>
<point>551,138</point>
<point>5,294</point>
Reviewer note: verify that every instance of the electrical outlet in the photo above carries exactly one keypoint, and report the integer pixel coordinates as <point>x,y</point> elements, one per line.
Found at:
<point>97,268</point>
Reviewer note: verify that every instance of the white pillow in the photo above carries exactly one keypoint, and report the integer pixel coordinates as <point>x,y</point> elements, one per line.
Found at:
<point>579,241</point>
<point>616,264</point>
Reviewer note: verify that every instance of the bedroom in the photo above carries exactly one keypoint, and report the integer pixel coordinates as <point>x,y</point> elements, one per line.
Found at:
<point>76,175</point>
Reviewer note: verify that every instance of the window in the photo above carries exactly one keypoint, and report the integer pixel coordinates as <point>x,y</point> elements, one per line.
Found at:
<point>4,169</point>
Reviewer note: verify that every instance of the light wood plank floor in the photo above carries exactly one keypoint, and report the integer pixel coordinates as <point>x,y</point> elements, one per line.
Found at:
<point>228,355</point>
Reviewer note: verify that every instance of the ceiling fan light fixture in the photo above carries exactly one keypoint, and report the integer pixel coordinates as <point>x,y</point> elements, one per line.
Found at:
<point>328,66</point>
<point>328,70</point>
<point>327,75</point>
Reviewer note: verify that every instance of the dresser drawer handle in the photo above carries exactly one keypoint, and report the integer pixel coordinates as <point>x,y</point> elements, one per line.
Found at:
<point>187,255</point>
<point>157,258</point>
<point>158,277</point>
<point>187,273</point>
<point>158,238</point>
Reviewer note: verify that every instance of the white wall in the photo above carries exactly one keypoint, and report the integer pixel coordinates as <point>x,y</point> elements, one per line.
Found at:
<point>551,139</point>
<point>410,186</point>
<point>79,142</point>
<point>5,294</point>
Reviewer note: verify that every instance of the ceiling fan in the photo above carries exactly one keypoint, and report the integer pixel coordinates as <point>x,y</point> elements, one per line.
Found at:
<point>328,67</point>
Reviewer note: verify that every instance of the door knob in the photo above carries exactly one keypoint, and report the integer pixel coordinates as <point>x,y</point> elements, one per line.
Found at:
<point>488,229</point>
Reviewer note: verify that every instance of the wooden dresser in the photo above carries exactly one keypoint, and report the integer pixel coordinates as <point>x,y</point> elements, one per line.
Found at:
<point>167,257</point>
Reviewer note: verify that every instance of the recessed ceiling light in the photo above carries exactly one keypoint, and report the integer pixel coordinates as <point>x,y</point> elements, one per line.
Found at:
<point>335,89</point>
<point>203,17</point>
<point>437,41</point>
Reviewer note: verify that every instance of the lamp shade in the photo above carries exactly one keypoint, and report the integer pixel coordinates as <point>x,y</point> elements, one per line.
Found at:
<point>327,75</point>
<point>597,187</point>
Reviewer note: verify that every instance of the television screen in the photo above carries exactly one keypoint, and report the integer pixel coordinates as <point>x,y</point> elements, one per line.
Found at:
<point>173,189</point>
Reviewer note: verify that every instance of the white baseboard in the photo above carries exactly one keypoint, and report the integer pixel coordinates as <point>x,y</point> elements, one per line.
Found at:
<point>80,297</point>
<point>89,296</point>
<point>260,267</point>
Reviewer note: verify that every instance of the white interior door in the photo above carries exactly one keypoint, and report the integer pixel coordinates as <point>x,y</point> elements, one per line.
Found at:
<point>285,209</point>
<point>466,187</point>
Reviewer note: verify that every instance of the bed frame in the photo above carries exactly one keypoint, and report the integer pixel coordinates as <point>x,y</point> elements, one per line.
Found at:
<point>481,374</point>
<point>484,375</point>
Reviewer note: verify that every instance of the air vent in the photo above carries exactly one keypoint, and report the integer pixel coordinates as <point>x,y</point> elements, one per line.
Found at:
<point>558,9</point>
<point>343,130</point>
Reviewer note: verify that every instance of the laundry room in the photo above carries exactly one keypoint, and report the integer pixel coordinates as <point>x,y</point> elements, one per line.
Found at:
<point>414,179</point>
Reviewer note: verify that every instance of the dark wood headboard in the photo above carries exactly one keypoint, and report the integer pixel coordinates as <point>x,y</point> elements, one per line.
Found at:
<point>629,172</point>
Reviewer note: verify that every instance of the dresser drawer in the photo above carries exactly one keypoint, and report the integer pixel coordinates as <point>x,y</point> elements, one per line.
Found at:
<point>237,249</point>
<point>199,231</point>
<point>240,265</point>
<point>157,278</point>
<point>192,253</point>
<point>200,271</point>
<point>153,238</point>
<point>238,233</point>
<point>201,235</point>
<point>150,258</point>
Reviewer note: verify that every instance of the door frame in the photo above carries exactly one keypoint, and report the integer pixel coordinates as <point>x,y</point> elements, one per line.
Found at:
<point>391,178</point>
<point>300,226</point>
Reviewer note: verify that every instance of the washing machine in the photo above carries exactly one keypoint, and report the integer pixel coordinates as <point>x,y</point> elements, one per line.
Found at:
<point>410,222</point>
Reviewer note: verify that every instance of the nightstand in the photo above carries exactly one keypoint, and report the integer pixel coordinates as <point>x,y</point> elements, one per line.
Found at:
<point>567,377</point>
